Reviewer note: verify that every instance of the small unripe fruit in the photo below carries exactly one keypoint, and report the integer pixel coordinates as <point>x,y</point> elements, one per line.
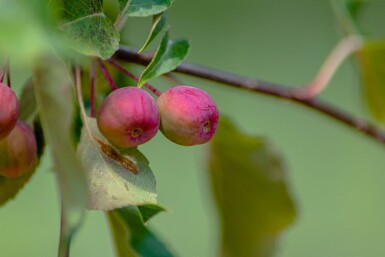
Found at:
<point>128,117</point>
<point>189,115</point>
<point>17,151</point>
<point>9,109</point>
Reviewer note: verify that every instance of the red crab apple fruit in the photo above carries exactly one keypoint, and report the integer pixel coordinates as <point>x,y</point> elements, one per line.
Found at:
<point>17,151</point>
<point>189,115</point>
<point>128,117</point>
<point>9,109</point>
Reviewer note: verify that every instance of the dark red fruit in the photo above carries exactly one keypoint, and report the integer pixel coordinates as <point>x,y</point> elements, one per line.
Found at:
<point>17,151</point>
<point>9,109</point>
<point>128,117</point>
<point>189,115</point>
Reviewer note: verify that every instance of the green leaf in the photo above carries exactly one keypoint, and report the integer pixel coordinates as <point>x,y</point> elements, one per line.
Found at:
<point>158,23</point>
<point>354,8</point>
<point>371,60</point>
<point>168,56</point>
<point>132,238</point>
<point>54,96</point>
<point>115,179</point>
<point>28,30</point>
<point>248,180</point>
<point>9,187</point>
<point>144,8</point>
<point>150,210</point>
<point>121,236</point>
<point>90,29</point>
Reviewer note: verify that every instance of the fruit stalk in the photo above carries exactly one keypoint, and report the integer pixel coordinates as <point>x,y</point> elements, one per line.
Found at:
<point>107,75</point>
<point>129,74</point>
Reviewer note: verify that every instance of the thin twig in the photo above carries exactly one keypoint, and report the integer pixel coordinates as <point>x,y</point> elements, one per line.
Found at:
<point>267,88</point>
<point>129,74</point>
<point>107,75</point>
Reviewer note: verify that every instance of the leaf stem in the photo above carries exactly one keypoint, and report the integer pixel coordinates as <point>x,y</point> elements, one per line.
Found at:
<point>129,74</point>
<point>263,87</point>
<point>342,50</point>
<point>107,75</point>
<point>79,97</point>
<point>122,17</point>
<point>92,89</point>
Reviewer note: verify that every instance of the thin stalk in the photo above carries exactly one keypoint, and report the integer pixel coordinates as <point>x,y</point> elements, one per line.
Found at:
<point>92,89</point>
<point>343,49</point>
<point>79,97</point>
<point>107,75</point>
<point>122,17</point>
<point>64,241</point>
<point>129,74</point>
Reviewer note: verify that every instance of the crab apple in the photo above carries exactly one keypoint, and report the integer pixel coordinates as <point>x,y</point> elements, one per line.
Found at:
<point>189,115</point>
<point>17,151</point>
<point>9,109</point>
<point>128,117</point>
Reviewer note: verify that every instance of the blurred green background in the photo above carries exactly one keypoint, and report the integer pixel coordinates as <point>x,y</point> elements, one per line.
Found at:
<point>336,175</point>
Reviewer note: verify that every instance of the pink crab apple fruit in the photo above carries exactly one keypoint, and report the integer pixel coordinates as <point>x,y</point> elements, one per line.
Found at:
<point>128,117</point>
<point>188,114</point>
<point>17,151</point>
<point>9,110</point>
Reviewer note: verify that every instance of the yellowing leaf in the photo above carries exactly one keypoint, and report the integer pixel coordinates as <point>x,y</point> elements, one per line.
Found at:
<point>248,180</point>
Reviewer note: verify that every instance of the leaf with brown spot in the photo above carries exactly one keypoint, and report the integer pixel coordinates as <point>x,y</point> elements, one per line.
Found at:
<point>113,154</point>
<point>115,179</point>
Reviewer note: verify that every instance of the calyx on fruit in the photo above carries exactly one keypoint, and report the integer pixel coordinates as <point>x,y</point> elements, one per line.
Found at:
<point>128,117</point>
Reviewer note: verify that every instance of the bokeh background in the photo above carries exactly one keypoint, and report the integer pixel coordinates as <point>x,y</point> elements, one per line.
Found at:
<point>336,175</point>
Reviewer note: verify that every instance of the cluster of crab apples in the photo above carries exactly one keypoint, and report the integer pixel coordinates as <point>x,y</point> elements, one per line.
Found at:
<point>186,115</point>
<point>128,117</point>
<point>17,140</point>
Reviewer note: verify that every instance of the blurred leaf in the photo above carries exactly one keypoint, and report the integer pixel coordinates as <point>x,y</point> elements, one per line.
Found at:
<point>371,60</point>
<point>249,185</point>
<point>54,97</point>
<point>27,30</point>
<point>9,187</point>
<point>115,179</point>
<point>132,238</point>
<point>168,56</point>
<point>354,8</point>
<point>157,25</point>
<point>143,8</point>
<point>28,110</point>
<point>91,30</point>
